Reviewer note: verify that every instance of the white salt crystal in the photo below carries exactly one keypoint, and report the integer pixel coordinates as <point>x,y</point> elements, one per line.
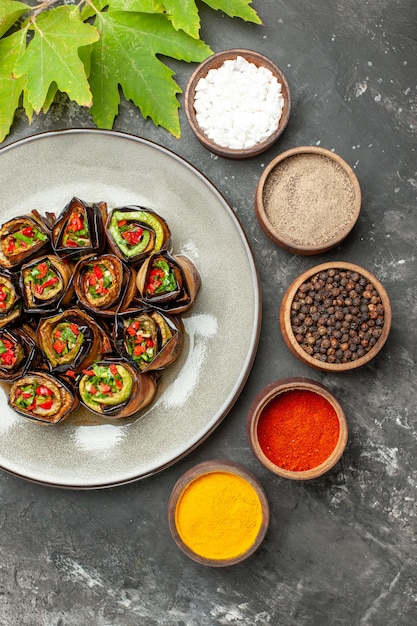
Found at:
<point>201,85</point>
<point>238,104</point>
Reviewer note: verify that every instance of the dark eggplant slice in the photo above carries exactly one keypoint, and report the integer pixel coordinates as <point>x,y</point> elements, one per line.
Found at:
<point>10,298</point>
<point>18,352</point>
<point>46,284</point>
<point>21,238</point>
<point>72,340</point>
<point>79,229</point>
<point>149,339</point>
<point>43,397</point>
<point>134,232</point>
<point>114,389</point>
<point>168,282</point>
<point>104,284</point>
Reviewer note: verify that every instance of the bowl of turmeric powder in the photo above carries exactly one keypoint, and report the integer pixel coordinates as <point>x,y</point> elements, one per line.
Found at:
<point>297,428</point>
<point>218,513</point>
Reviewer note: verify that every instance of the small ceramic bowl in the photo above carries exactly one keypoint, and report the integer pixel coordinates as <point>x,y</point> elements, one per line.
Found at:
<point>202,521</point>
<point>214,62</point>
<point>307,200</point>
<point>335,316</point>
<point>255,428</point>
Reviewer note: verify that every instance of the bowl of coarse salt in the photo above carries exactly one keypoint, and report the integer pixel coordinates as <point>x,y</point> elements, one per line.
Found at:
<point>237,103</point>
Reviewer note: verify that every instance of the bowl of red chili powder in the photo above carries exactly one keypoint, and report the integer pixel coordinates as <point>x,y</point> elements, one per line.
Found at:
<point>296,428</point>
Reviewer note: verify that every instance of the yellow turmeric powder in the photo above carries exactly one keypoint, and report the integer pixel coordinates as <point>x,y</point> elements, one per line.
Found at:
<point>219,515</point>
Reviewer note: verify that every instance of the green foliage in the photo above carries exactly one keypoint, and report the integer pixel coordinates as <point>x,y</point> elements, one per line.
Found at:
<point>10,12</point>
<point>96,50</point>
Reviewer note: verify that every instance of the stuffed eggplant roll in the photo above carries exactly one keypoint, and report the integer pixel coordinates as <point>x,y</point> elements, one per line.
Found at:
<point>134,232</point>
<point>46,284</point>
<point>79,230</point>
<point>21,238</point>
<point>42,397</point>
<point>104,284</point>
<point>149,339</point>
<point>10,298</point>
<point>114,389</point>
<point>167,282</point>
<point>18,352</point>
<point>72,340</point>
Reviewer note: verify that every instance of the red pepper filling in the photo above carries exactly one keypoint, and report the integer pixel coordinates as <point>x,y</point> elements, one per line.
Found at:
<point>76,232</point>
<point>155,279</point>
<point>4,296</point>
<point>33,396</point>
<point>98,280</point>
<point>23,239</point>
<point>140,343</point>
<point>104,381</point>
<point>161,278</point>
<point>64,339</point>
<point>7,352</point>
<point>132,233</point>
<point>43,277</point>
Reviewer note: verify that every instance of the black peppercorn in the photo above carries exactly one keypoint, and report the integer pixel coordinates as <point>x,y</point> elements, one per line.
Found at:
<point>337,316</point>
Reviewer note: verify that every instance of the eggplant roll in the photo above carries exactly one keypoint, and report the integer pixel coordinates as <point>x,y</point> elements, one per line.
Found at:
<point>72,340</point>
<point>10,298</point>
<point>46,284</point>
<point>149,339</point>
<point>18,352</point>
<point>167,282</point>
<point>43,397</point>
<point>134,232</point>
<point>21,238</point>
<point>104,284</point>
<point>114,389</point>
<point>79,229</point>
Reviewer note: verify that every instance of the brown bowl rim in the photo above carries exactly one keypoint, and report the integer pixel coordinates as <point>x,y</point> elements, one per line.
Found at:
<point>214,62</point>
<point>209,467</point>
<point>286,244</point>
<point>285,321</point>
<point>265,396</point>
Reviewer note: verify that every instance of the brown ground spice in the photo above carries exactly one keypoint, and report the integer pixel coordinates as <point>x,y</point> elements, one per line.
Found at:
<point>309,199</point>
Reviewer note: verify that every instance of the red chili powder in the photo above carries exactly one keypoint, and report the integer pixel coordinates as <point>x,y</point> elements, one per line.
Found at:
<point>298,430</point>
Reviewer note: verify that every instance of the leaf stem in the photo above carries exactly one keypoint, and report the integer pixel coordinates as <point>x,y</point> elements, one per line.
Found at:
<point>42,7</point>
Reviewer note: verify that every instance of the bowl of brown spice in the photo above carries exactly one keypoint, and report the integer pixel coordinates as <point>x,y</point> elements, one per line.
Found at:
<point>297,428</point>
<point>307,200</point>
<point>335,316</point>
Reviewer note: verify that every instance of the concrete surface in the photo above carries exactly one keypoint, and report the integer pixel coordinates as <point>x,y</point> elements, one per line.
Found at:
<point>340,550</point>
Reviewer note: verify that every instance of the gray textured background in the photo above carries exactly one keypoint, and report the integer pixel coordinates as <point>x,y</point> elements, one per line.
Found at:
<point>340,550</point>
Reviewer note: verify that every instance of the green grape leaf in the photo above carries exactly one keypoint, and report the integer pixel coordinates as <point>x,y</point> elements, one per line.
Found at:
<point>236,8</point>
<point>137,6</point>
<point>52,57</point>
<point>126,56</point>
<point>11,48</point>
<point>27,107</point>
<point>184,16</point>
<point>50,97</point>
<point>89,10</point>
<point>85,56</point>
<point>10,12</point>
<point>96,53</point>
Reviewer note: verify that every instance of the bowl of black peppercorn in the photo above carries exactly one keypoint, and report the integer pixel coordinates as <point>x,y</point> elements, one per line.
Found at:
<point>335,316</point>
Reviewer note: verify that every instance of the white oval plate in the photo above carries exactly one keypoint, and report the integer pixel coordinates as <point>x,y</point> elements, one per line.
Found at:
<point>222,330</point>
